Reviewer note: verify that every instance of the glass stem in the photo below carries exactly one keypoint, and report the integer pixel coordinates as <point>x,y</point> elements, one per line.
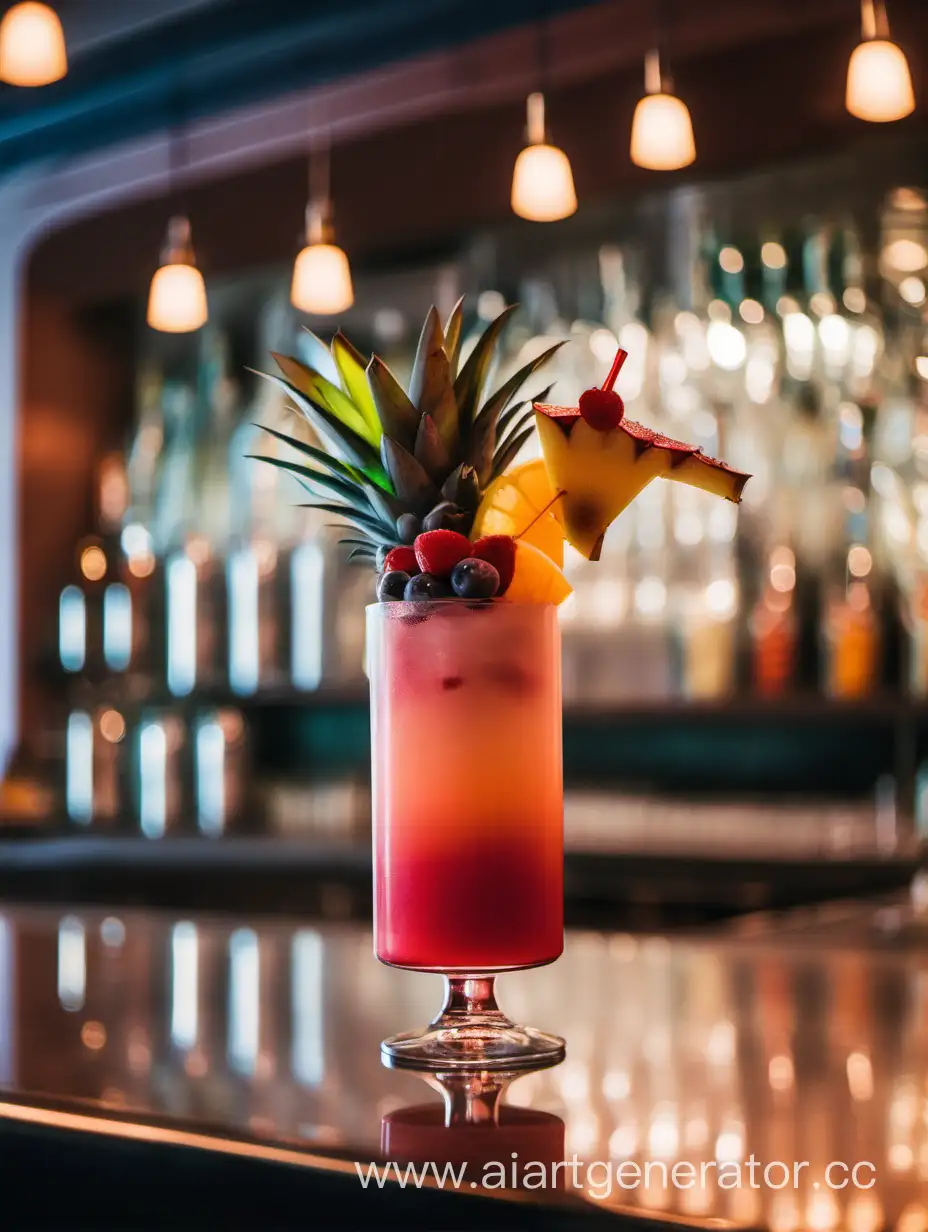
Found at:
<point>473,1100</point>
<point>467,999</point>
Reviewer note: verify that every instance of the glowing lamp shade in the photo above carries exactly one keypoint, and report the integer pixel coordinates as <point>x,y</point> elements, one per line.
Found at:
<point>177,299</point>
<point>542,181</point>
<point>662,133</point>
<point>32,50</point>
<point>321,280</point>
<point>543,184</point>
<point>177,296</point>
<point>879,86</point>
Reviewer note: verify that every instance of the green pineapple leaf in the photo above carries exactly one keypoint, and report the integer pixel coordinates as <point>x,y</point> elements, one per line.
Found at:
<point>485,428</point>
<point>357,451</point>
<point>337,467</point>
<point>398,417</point>
<point>430,450</point>
<point>378,485</point>
<point>411,481</point>
<point>517,425</point>
<point>543,394</point>
<point>315,386</point>
<point>385,504</point>
<point>468,385</point>
<point>366,542</point>
<point>507,416</point>
<point>380,531</point>
<point>453,335</point>
<point>462,487</point>
<point>349,492</point>
<point>507,452</point>
<point>431,386</point>
<point>498,401</point>
<point>352,370</point>
<point>360,554</point>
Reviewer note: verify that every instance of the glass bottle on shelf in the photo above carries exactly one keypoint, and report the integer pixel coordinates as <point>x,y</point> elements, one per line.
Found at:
<point>774,632</point>
<point>646,636</point>
<point>271,544</point>
<point>96,765</point>
<point>207,539</point>
<point>851,630</point>
<point>328,592</point>
<point>120,628</point>
<point>143,568</point>
<point>173,517</point>
<point>95,615</point>
<point>705,601</point>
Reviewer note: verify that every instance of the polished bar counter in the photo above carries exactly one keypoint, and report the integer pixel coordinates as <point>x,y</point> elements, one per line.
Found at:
<point>166,1069</point>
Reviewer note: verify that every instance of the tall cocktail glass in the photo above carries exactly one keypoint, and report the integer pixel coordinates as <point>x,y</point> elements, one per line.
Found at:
<point>467,814</point>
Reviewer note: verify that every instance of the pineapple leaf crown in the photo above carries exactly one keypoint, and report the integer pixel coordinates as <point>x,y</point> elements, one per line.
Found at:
<point>396,456</point>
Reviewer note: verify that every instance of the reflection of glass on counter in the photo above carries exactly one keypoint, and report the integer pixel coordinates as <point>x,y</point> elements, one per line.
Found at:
<point>499,1145</point>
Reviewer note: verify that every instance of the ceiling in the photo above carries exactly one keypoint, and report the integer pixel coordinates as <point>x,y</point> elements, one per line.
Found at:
<point>90,24</point>
<point>140,65</point>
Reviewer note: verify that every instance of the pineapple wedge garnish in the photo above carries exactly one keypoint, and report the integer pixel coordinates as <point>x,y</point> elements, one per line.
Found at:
<point>599,461</point>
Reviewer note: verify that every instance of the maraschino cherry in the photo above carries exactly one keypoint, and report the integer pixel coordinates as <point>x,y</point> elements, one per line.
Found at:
<point>603,408</point>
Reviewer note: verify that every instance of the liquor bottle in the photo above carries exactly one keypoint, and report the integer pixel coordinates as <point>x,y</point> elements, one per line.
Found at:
<point>266,526</point>
<point>207,539</point>
<point>774,632</point>
<point>172,519</point>
<point>851,629</point>
<point>143,568</point>
<point>646,638</point>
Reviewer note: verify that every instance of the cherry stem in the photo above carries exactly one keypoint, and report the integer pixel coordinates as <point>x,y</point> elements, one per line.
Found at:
<point>620,358</point>
<point>541,513</point>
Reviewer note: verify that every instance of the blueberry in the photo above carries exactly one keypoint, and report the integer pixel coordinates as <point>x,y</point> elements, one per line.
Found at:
<point>407,527</point>
<point>448,516</point>
<point>426,586</point>
<point>392,585</point>
<point>474,579</point>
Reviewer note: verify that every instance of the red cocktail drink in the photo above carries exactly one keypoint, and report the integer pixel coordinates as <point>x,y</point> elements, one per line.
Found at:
<point>467,786</point>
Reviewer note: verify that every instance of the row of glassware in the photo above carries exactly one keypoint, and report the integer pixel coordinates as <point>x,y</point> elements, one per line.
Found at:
<point>803,361</point>
<point>646,624</point>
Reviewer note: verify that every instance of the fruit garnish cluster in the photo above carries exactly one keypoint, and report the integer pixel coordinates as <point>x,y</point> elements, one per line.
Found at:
<point>425,475</point>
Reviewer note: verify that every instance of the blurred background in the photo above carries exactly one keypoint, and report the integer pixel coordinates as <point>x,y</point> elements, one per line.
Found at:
<point>181,647</point>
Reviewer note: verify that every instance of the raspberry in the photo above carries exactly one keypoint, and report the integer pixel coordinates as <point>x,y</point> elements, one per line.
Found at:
<point>500,552</point>
<point>438,551</point>
<point>402,560</point>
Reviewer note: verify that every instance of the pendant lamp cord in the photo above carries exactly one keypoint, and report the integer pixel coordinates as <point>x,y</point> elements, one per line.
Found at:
<point>320,168</point>
<point>662,42</point>
<point>543,46</point>
<point>178,151</point>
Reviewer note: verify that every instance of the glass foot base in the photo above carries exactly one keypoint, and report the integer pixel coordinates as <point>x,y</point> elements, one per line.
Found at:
<point>472,1033</point>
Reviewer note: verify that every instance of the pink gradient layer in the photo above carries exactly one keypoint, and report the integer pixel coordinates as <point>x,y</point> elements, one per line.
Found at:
<point>468,795</point>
